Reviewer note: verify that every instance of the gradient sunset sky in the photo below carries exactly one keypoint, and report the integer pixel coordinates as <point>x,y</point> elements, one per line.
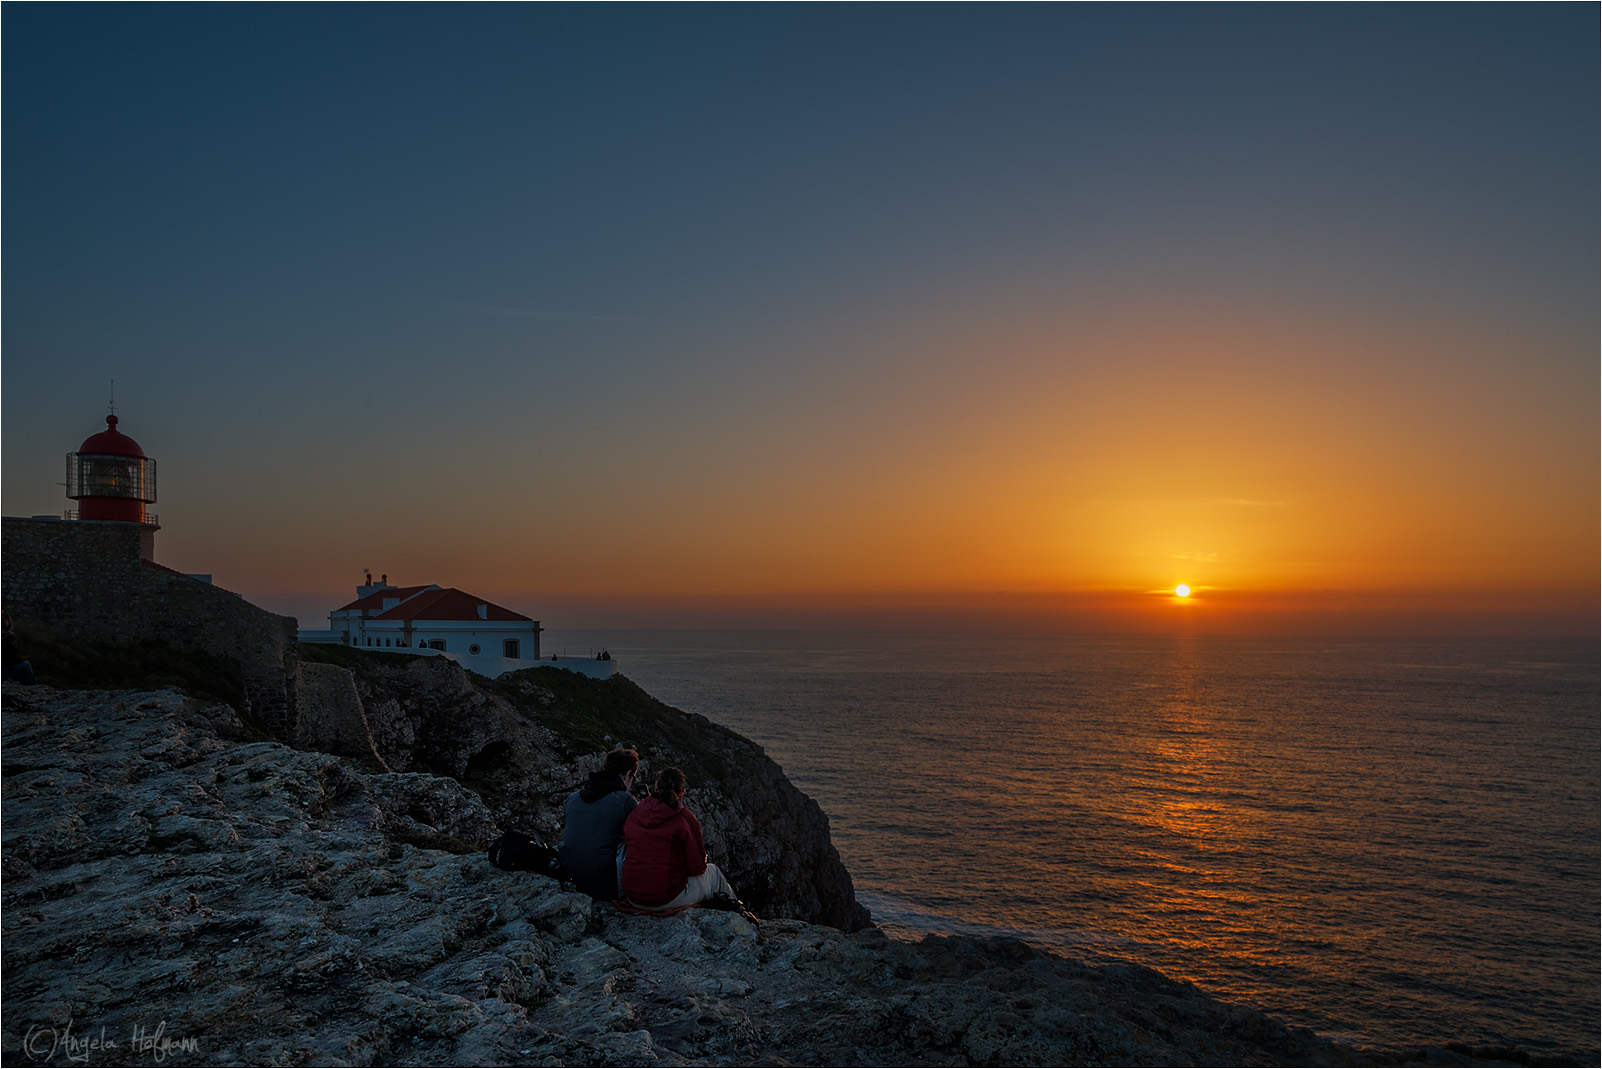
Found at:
<point>936,316</point>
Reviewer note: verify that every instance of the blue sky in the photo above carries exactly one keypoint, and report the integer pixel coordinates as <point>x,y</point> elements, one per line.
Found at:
<point>351,265</point>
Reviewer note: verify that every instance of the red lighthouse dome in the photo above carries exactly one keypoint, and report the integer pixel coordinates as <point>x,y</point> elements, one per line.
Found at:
<point>111,442</point>
<point>111,478</point>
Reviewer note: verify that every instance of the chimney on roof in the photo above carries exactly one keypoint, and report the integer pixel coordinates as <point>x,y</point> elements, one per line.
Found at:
<point>369,587</point>
<point>483,612</point>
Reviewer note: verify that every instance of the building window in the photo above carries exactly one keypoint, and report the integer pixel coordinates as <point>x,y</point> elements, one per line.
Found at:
<point>473,649</point>
<point>437,644</point>
<point>511,649</point>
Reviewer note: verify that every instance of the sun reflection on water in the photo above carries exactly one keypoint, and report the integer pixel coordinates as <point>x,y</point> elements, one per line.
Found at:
<point>1314,829</point>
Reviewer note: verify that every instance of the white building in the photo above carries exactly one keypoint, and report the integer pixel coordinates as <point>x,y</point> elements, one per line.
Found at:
<point>435,621</point>
<point>483,637</point>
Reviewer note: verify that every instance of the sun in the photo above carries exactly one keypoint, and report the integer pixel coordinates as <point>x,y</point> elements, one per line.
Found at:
<point>1181,591</point>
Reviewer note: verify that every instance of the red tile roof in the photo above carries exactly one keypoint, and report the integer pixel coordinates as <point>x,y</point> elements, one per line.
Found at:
<point>375,600</point>
<point>449,604</point>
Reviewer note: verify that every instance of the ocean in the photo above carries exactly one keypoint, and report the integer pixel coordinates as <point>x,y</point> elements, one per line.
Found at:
<point>1392,843</point>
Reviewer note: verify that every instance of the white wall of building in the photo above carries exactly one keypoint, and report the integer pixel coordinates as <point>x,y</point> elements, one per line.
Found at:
<point>460,639</point>
<point>477,645</point>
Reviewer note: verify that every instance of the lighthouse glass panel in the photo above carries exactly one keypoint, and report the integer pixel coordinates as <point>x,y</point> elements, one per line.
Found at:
<point>105,476</point>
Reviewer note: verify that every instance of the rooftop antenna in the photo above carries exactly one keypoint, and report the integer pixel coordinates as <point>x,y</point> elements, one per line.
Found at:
<point>112,404</point>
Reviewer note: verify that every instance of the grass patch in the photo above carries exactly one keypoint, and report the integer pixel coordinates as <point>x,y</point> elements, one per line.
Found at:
<point>147,664</point>
<point>351,657</point>
<point>592,715</point>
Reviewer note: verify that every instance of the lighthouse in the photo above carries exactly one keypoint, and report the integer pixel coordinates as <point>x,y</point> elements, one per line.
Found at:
<point>111,479</point>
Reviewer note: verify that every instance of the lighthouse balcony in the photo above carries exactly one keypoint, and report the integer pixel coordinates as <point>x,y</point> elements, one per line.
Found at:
<point>149,518</point>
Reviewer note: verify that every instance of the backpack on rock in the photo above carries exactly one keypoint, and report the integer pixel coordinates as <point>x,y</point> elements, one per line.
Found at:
<point>516,852</point>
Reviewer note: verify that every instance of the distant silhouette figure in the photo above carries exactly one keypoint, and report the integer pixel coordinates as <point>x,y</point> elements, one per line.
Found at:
<point>16,669</point>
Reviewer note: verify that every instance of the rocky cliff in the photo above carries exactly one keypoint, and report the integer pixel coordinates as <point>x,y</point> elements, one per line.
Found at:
<point>524,742</point>
<point>177,887</point>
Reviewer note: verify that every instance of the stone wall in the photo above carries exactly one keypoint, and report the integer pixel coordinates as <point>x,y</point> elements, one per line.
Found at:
<point>96,581</point>
<point>331,716</point>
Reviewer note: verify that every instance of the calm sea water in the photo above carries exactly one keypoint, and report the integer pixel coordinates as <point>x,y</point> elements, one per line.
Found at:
<point>1390,843</point>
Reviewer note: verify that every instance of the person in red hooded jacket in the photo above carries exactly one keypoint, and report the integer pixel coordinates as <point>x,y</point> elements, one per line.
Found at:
<point>664,856</point>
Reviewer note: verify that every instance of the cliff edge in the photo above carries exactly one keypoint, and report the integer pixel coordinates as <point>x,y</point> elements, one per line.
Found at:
<point>525,741</point>
<point>176,885</point>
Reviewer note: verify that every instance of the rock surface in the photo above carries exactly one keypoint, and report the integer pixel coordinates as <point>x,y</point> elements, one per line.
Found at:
<point>525,742</point>
<point>174,886</point>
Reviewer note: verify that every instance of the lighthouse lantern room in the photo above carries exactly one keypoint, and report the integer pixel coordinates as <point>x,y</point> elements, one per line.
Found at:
<point>111,478</point>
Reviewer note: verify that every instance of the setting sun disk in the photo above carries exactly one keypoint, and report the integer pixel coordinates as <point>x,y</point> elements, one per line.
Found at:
<point>1182,591</point>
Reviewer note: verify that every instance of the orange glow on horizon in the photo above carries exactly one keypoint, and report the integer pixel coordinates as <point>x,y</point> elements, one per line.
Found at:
<point>1243,449</point>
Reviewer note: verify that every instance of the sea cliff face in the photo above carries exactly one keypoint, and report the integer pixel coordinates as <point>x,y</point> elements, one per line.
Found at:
<point>174,885</point>
<point>524,742</point>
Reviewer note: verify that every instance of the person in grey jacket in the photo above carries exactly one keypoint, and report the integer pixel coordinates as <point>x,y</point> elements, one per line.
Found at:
<point>593,837</point>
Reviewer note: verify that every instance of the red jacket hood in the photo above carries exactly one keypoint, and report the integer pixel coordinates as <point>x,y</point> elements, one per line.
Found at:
<point>653,812</point>
<point>664,849</point>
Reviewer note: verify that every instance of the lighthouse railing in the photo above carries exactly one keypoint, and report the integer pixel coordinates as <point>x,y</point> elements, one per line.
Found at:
<point>150,520</point>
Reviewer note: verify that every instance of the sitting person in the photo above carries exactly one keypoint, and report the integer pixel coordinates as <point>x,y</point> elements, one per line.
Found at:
<point>15,667</point>
<point>664,858</point>
<point>593,835</point>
